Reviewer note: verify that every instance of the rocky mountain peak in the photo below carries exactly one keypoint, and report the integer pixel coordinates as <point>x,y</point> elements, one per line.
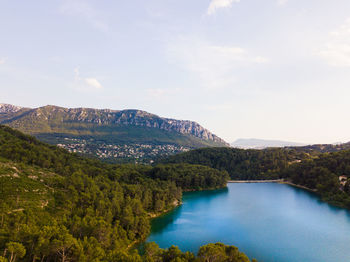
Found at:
<point>7,108</point>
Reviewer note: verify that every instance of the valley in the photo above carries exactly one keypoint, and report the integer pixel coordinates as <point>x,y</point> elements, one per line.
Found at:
<point>174,131</point>
<point>82,199</point>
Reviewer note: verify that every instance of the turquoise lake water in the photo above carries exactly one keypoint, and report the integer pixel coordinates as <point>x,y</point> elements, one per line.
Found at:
<point>269,222</point>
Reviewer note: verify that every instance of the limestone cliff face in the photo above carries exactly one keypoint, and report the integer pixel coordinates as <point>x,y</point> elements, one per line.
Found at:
<point>141,118</point>
<point>49,115</point>
<point>6,108</point>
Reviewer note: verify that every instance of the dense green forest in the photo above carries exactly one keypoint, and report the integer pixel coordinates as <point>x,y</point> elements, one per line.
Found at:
<point>321,174</point>
<point>240,163</point>
<point>317,171</point>
<point>57,206</point>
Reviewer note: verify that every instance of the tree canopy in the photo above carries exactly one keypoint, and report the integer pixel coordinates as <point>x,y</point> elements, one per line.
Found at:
<point>57,206</point>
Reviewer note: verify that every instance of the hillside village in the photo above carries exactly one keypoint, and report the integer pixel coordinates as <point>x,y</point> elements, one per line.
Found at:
<point>137,153</point>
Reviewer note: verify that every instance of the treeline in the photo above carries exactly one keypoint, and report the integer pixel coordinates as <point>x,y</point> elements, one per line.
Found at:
<point>217,252</point>
<point>242,164</point>
<point>190,177</point>
<point>318,172</point>
<point>322,175</point>
<point>93,211</point>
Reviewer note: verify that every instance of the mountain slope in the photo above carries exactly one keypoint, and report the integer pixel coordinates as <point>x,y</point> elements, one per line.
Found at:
<point>7,108</point>
<point>8,111</point>
<point>242,164</point>
<point>110,134</point>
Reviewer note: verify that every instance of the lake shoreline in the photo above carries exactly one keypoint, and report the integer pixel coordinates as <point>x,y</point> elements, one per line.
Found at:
<point>290,214</point>
<point>279,181</point>
<point>177,204</point>
<point>257,181</point>
<point>299,186</point>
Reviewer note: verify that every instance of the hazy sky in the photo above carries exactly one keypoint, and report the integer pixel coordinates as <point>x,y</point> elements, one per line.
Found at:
<point>273,69</point>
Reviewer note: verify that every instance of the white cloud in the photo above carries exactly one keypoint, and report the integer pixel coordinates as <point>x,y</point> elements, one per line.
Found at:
<point>2,61</point>
<point>214,65</point>
<point>163,93</point>
<point>93,82</point>
<point>87,82</point>
<point>337,50</point>
<point>217,4</point>
<point>80,8</point>
<point>282,2</point>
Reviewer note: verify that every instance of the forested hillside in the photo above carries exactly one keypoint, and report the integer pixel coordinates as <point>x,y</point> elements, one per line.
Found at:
<point>240,163</point>
<point>322,175</point>
<point>113,135</point>
<point>57,206</point>
<point>316,171</point>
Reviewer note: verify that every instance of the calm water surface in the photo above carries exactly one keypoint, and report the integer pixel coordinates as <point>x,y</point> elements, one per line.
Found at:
<point>270,222</point>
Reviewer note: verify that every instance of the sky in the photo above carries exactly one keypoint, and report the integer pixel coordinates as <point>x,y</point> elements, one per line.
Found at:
<point>269,69</point>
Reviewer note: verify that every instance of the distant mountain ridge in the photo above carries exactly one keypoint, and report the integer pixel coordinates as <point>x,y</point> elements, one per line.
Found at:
<point>77,129</point>
<point>254,143</point>
<point>108,117</point>
<point>7,108</point>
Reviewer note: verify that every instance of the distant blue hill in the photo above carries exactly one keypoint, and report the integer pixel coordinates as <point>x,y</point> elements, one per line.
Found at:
<point>254,143</point>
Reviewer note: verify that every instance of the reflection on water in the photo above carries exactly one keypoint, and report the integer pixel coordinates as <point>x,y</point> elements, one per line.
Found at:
<point>270,222</point>
<point>159,223</point>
